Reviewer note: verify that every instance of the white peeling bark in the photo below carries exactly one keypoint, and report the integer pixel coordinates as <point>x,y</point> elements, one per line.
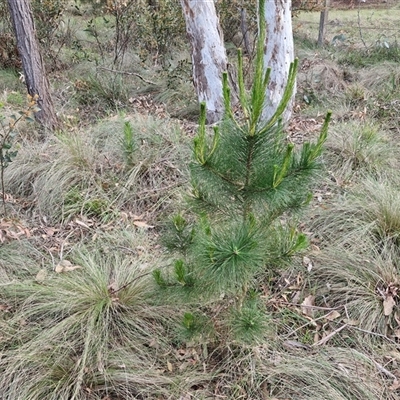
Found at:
<point>278,53</point>
<point>209,58</point>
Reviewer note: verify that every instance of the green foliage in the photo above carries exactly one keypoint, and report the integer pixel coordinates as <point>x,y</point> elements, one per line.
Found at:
<point>129,145</point>
<point>9,80</point>
<point>149,27</point>
<point>246,181</point>
<point>194,328</point>
<point>16,99</point>
<point>247,170</point>
<point>382,51</point>
<point>48,16</point>
<point>96,28</point>
<point>167,25</point>
<point>6,26</point>
<point>76,203</point>
<point>180,284</point>
<point>230,15</point>
<point>179,234</point>
<point>230,256</point>
<point>249,324</point>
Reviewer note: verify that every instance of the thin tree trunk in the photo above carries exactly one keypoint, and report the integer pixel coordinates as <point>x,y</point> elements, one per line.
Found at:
<point>32,61</point>
<point>208,54</point>
<point>279,53</point>
<point>323,19</point>
<point>245,30</point>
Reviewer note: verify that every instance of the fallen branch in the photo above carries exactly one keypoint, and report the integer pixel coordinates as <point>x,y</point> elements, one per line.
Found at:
<point>309,306</point>
<point>328,337</point>
<point>374,334</point>
<point>382,369</point>
<point>127,73</point>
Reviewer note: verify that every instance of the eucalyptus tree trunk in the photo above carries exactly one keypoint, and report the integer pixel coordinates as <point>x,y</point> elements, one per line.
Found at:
<point>32,61</point>
<point>278,54</point>
<point>209,58</point>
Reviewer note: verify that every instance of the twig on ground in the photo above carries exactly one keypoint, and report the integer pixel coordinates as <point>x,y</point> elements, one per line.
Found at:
<point>311,322</point>
<point>373,334</point>
<point>127,73</point>
<point>312,307</point>
<point>136,279</point>
<point>382,369</point>
<point>63,244</point>
<point>328,337</point>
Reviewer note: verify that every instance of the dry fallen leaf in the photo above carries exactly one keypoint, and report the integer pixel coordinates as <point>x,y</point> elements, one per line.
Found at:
<point>332,315</point>
<point>292,344</point>
<point>41,276</point>
<point>306,305</point>
<point>81,223</point>
<point>65,266</point>
<point>388,305</point>
<point>395,385</point>
<point>351,322</point>
<point>4,307</point>
<point>50,231</point>
<point>307,263</point>
<point>142,224</point>
<point>169,366</point>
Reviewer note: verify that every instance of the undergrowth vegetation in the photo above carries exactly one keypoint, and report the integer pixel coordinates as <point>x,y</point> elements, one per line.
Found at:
<point>147,256</point>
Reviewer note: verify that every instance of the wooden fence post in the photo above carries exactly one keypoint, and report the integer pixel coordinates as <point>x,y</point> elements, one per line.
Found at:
<point>323,19</point>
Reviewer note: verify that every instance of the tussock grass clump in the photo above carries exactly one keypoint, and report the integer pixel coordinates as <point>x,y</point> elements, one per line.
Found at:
<point>333,373</point>
<point>87,333</point>
<point>97,174</point>
<point>365,285</point>
<point>360,58</point>
<point>355,149</point>
<point>19,259</point>
<point>380,78</point>
<point>370,213</point>
<point>383,82</point>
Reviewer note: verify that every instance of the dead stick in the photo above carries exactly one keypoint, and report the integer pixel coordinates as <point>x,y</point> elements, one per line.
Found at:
<point>327,337</point>
<point>311,307</point>
<point>127,73</point>
<point>382,369</point>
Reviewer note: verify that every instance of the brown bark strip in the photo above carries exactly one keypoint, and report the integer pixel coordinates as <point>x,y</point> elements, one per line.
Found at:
<point>32,61</point>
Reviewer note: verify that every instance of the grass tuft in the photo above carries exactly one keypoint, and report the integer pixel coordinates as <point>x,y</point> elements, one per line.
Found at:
<point>355,149</point>
<point>370,213</point>
<point>92,330</point>
<point>95,174</point>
